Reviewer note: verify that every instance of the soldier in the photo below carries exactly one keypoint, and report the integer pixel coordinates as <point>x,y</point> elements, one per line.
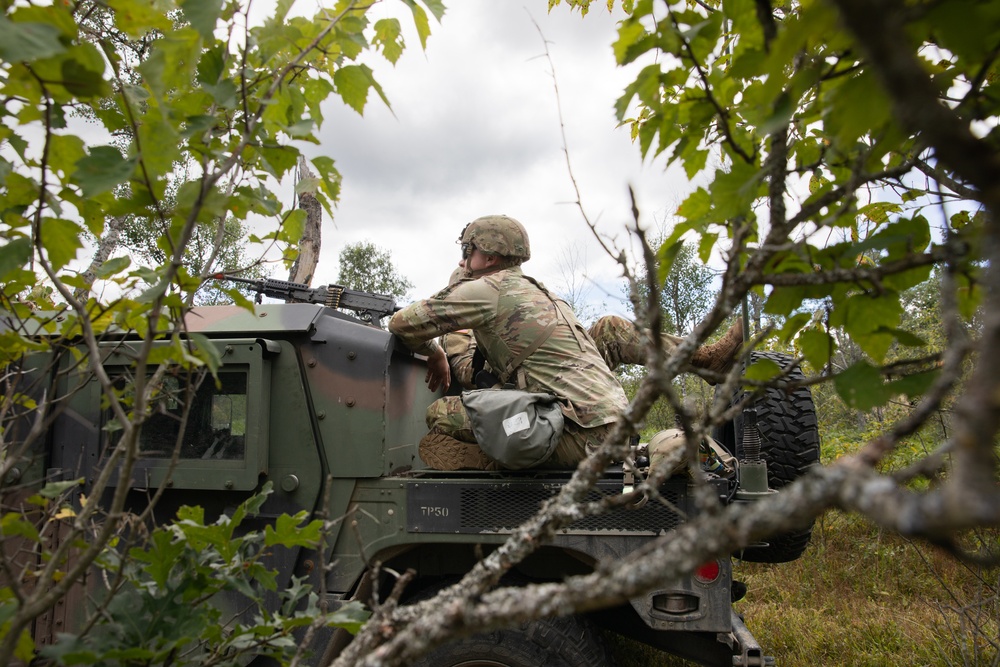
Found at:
<point>618,340</point>
<point>508,312</point>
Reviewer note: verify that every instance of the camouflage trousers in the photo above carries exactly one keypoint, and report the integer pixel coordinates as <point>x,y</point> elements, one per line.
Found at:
<point>447,415</point>
<point>620,342</point>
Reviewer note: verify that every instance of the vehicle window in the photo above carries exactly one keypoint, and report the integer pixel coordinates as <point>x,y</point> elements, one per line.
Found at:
<point>216,425</point>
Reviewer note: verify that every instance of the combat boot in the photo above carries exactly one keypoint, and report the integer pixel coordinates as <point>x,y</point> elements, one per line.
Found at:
<point>443,452</point>
<point>720,355</point>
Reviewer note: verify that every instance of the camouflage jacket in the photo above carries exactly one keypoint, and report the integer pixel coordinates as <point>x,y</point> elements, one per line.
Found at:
<point>507,312</point>
<point>460,347</point>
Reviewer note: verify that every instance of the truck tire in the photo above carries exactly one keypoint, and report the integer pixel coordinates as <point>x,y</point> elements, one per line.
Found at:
<point>567,641</point>
<point>789,436</point>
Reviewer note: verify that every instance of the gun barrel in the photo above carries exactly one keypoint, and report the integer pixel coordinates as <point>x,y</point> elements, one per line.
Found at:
<point>370,307</point>
<point>236,279</point>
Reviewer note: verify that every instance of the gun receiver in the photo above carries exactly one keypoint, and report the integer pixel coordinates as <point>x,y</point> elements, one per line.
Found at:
<point>369,307</point>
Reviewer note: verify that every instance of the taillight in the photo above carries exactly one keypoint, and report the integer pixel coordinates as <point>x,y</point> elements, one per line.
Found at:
<point>708,572</point>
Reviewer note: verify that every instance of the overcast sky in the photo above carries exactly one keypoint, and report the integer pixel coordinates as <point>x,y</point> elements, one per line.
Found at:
<point>474,130</point>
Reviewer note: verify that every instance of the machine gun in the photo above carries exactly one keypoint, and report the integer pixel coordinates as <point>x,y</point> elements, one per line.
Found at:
<point>369,307</point>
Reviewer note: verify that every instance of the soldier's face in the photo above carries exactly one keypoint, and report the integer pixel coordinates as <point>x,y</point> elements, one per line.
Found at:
<point>477,260</point>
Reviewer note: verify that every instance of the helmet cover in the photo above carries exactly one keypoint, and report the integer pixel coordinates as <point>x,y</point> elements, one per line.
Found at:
<point>498,235</point>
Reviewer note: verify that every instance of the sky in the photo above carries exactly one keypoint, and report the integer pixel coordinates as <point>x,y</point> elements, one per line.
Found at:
<point>474,130</point>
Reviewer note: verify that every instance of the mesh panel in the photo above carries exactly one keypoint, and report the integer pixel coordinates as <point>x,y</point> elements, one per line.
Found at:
<point>497,508</point>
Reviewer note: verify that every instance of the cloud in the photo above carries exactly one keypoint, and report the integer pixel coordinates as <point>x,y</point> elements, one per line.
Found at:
<point>474,129</point>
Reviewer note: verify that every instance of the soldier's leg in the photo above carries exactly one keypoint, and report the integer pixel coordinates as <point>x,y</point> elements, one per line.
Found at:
<point>576,442</point>
<point>620,342</point>
<point>450,443</point>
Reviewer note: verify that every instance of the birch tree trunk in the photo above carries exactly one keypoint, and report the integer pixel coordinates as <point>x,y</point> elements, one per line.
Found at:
<point>105,246</point>
<point>305,264</point>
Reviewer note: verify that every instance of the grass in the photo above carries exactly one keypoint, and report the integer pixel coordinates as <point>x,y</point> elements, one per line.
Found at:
<point>858,598</point>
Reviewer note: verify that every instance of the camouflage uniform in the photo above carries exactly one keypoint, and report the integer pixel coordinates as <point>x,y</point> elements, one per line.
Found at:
<point>460,346</point>
<point>507,311</point>
<point>617,340</point>
<point>622,342</point>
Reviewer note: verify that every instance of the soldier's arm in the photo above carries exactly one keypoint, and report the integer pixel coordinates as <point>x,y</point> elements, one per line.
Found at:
<point>460,346</point>
<point>461,307</point>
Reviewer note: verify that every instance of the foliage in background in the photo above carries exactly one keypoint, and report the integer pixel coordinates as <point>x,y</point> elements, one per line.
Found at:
<point>685,297</point>
<point>686,293</point>
<point>155,611</point>
<point>366,267</point>
<point>178,120</point>
<point>849,160</point>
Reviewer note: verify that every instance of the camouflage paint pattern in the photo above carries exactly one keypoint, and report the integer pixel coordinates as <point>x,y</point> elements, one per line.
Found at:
<point>360,386</point>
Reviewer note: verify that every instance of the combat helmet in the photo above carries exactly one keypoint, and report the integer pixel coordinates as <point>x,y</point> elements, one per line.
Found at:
<point>498,235</point>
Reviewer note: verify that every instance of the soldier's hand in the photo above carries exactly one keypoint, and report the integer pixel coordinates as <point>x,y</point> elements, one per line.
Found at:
<point>438,371</point>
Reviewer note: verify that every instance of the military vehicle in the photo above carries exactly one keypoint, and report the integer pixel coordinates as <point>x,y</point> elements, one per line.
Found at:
<point>329,408</point>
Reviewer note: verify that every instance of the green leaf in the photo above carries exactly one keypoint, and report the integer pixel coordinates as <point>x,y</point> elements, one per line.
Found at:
<point>61,240</point>
<point>137,18</point>
<point>861,387</point>
<point>294,225</point>
<point>353,82</point>
<point>697,205</point>
<point>869,319</point>
<point>160,556</point>
<point>908,338</point>
<point>103,169</point>
<point>13,256</point>
<point>113,266</point>
<point>763,370</point>
<point>202,15</point>
<point>913,386</point>
<point>330,176</point>
<point>420,21</point>
<point>875,344</point>
<point>708,242</point>
<point>28,41</point>
<point>83,72</point>
<point>783,300</point>
<point>816,346</point>
<point>863,313</point>
<point>859,107</point>
<point>14,524</point>
<point>286,531</point>
<point>665,257</point>
<point>437,8</point>
<point>24,650</point>
<point>53,490</point>
<point>209,351</point>
<point>389,37</point>
<point>351,617</point>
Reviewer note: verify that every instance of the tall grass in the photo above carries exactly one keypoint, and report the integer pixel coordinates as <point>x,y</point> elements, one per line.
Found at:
<point>859,597</point>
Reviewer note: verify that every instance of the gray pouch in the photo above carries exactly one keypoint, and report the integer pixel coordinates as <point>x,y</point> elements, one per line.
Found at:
<point>519,429</point>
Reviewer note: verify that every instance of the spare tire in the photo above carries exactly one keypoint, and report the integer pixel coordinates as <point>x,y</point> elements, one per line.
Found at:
<point>789,433</point>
